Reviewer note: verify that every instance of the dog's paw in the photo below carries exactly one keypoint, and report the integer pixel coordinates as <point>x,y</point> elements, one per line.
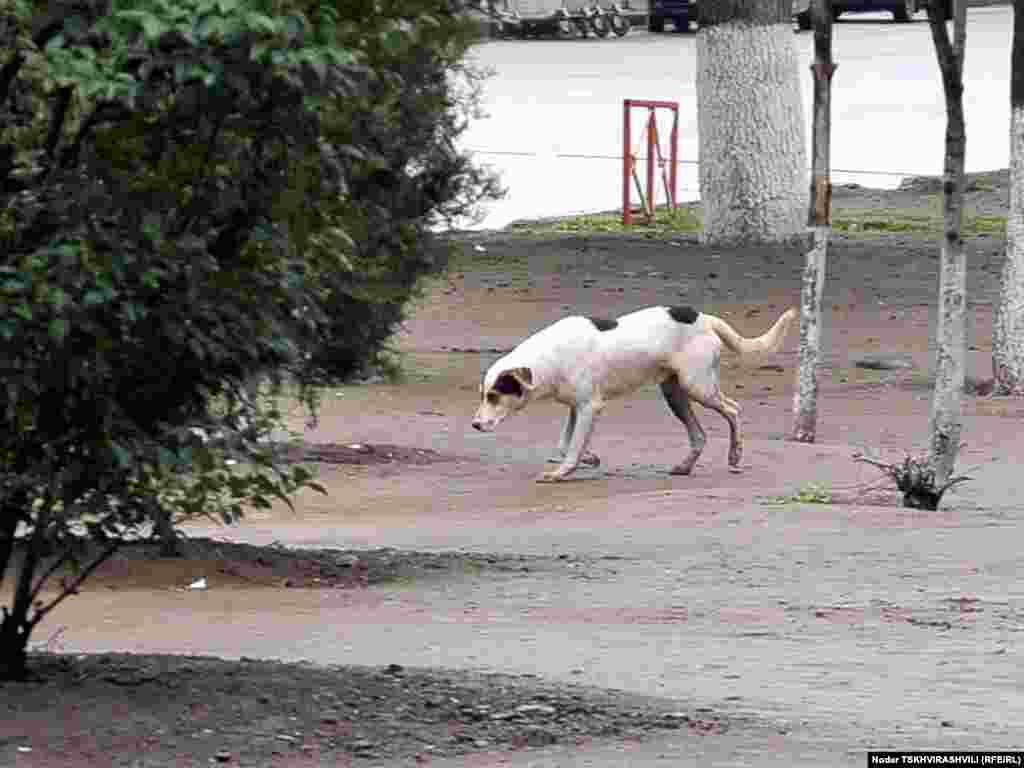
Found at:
<point>736,469</point>
<point>681,469</point>
<point>589,459</point>
<point>555,475</point>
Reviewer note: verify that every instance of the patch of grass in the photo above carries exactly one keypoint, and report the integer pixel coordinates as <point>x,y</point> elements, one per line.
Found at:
<point>467,258</point>
<point>686,218</point>
<point>993,225</point>
<point>914,221</point>
<point>858,375</point>
<point>810,493</point>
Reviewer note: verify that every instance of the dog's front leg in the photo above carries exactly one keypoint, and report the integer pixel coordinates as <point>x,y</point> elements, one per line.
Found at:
<point>563,441</point>
<point>587,458</point>
<point>577,448</point>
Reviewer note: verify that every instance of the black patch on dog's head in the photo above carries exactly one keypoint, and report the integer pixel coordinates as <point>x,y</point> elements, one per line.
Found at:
<point>603,323</point>
<point>683,314</point>
<point>507,384</point>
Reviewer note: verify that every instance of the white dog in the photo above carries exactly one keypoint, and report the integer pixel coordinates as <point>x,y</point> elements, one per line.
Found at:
<point>585,362</point>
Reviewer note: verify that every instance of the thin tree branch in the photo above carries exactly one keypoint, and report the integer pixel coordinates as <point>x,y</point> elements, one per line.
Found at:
<point>105,112</point>
<point>23,588</point>
<point>58,115</point>
<point>50,570</point>
<point>7,74</point>
<point>68,590</point>
<point>48,31</point>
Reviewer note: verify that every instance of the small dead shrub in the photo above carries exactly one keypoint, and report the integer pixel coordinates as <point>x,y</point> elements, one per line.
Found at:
<point>915,478</point>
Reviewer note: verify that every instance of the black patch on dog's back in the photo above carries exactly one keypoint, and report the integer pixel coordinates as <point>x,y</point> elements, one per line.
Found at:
<point>603,323</point>
<point>507,384</point>
<point>683,314</point>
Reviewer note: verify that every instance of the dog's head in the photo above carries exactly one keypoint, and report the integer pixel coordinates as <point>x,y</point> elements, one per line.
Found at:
<point>502,393</point>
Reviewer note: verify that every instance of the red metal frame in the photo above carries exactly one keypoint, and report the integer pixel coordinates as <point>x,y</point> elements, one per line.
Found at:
<point>654,156</point>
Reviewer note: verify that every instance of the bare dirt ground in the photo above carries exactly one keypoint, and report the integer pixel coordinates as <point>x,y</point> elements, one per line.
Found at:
<point>445,609</point>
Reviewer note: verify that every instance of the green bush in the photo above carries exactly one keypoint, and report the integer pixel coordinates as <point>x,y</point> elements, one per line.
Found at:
<point>197,196</point>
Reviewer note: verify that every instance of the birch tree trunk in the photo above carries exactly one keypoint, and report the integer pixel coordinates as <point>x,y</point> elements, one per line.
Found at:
<point>751,122</point>
<point>945,423</point>
<point>1008,324</point>
<point>805,399</point>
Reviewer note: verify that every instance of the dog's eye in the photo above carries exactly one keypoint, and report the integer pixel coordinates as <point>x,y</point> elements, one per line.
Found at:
<point>492,398</point>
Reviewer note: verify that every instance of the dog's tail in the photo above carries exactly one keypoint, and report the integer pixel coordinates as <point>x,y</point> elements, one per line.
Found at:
<point>766,342</point>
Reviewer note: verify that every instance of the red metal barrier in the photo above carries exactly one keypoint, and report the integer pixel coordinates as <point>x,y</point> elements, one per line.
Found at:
<point>654,157</point>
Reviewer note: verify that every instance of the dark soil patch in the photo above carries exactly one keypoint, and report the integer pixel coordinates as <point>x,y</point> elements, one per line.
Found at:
<point>364,454</point>
<point>139,565</point>
<point>192,711</point>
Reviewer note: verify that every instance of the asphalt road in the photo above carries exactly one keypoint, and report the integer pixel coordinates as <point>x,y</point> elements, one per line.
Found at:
<point>555,125</point>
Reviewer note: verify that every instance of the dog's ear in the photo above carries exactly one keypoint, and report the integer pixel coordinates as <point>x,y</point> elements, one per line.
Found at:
<point>514,381</point>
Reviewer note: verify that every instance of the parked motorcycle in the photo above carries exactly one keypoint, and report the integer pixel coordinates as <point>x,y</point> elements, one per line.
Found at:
<point>594,19</point>
<point>618,19</point>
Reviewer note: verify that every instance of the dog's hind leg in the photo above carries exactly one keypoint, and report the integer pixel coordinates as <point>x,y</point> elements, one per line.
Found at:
<point>588,459</point>
<point>679,403</point>
<point>697,372</point>
<point>577,447</point>
<point>730,411</point>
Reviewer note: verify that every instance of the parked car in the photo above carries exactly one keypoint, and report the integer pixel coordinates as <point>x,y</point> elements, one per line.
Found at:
<point>901,10</point>
<point>679,12</point>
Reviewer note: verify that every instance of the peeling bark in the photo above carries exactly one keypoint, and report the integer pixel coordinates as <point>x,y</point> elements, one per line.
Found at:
<point>819,216</point>
<point>1008,324</point>
<point>805,399</point>
<point>945,423</point>
<point>750,120</point>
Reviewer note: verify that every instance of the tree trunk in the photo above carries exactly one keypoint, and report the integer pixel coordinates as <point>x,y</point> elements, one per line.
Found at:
<point>13,648</point>
<point>945,423</point>
<point>753,160</point>
<point>15,625</point>
<point>1008,324</point>
<point>163,531</point>
<point>805,399</point>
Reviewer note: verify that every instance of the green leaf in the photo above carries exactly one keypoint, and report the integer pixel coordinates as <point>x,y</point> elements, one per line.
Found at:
<point>264,22</point>
<point>151,228</point>
<point>24,311</point>
<point>393,40</point>
<point>340,57</point>
<point>122,457</point>
<point>75,24</point>
<point>58,329</point>
<point>259,52</point>
<point>94,298</point>
<point>294,26</point>
<point>151,279</point>
<point>58,298</point>
<point>207,26</point>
